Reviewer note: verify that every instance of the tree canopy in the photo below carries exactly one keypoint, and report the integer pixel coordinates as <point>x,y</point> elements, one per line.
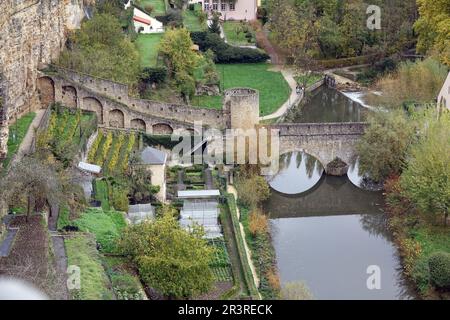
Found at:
<point>426,178</point>
<point>171,260</point>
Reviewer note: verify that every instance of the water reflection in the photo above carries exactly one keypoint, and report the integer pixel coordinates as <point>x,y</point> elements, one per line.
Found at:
<point>327,105</point>
<point>360,179</point>
<point>298,173</point>
<point>329,235</point>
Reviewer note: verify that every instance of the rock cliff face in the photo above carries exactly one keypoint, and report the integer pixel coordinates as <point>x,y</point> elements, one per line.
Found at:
<point>32,34</point>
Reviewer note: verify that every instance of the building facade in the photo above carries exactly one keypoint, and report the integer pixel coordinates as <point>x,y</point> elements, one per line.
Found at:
<point>444,95</point>
<point>232,9</point>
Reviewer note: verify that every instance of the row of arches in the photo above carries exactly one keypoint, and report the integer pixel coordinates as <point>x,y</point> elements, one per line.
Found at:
<point>115,118</point>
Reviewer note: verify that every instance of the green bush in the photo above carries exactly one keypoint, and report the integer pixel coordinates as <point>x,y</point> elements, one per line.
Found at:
<point>421,275</point>
<point>439,264</point>
<point>225,53</point>
<point>154,75</point>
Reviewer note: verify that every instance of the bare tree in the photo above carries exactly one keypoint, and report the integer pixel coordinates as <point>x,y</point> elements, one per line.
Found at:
<point>35,180</point>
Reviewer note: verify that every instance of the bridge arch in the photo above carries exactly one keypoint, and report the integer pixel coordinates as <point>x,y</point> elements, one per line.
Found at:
<point>162,128</point>
<point>69,96</point>
<point>116,119</point>
<point>138,124</point>
<point>46,90</point>
<point>94,105</point>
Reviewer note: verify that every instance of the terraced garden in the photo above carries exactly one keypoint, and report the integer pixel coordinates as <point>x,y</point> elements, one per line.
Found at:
<point>111,150</point>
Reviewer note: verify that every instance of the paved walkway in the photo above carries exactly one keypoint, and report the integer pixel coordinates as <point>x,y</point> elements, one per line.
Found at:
<point>293,99</point>
<point>232,190</point>
<point>25,146</point>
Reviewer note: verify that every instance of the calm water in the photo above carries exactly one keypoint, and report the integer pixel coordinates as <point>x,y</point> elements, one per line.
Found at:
<point>327,232</point>
<point>327,105</point>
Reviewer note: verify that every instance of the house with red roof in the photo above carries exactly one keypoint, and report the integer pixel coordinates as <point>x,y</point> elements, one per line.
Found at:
<point>143,22</point>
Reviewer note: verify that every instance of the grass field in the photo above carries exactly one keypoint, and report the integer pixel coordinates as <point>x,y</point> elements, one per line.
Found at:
<point>17,132</point>
<point>147,44</point>
<point>234,38</point>
<point>159,7</point>
<point>81,251</point>
<point>273,88</point>
<point>191,21</point>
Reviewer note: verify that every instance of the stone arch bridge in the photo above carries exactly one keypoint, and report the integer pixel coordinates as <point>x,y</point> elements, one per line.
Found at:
<point>325,141</point>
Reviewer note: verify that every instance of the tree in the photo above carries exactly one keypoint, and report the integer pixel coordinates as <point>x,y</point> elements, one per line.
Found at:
<point>426,179</point>
<point>253,190</point>
<point>141,189</point>
<point>171,260</point>
<point>433,27</point>
<point>34,180</point>
<point>100,48</point>
<point>214,27</point>
<point>382,150</point>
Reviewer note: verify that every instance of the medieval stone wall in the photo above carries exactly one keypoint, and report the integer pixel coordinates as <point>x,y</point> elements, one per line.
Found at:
<point>33,32</point>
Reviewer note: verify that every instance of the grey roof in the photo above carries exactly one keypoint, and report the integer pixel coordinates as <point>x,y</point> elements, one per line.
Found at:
<point>153,156</point>
<point>139,212</point>
<point>204,213</point>
<point>198,194</point>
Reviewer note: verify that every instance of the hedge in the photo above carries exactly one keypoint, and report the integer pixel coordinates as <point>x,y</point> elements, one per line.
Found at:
<point>225,53</point>
<point>248,276</point>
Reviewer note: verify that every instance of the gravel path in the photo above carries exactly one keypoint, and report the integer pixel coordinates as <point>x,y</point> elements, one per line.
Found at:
<point>293,99</point>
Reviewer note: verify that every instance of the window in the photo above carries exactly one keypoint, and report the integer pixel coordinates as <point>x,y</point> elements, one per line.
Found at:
<point>231,5</point>
<point>215,6</point>
<point>223,6</point>
<point>206,5</point>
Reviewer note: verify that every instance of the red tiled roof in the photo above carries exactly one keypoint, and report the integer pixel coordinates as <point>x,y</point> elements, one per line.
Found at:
<point>139,19</point>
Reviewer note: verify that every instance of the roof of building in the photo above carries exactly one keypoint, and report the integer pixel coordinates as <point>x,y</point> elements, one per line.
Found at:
<point>153,156</point>
<point>140,212</point>
<point>140,19</point>
<point>198,194</point>
<point>89,167</point>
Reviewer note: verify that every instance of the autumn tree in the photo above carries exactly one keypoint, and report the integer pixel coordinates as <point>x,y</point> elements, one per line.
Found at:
<point>433,27</point>
<point>296,291</point>
<point>253,190</point>
<point>383,148</point>
<point>426,179</point>
<point>176,47</point>
<point>171,260</point>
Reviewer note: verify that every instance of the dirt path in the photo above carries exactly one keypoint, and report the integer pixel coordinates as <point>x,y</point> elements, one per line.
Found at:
<point>25,146</point>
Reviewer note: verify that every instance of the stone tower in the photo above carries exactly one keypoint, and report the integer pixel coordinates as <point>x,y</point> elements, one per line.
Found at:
<point>241,106</point>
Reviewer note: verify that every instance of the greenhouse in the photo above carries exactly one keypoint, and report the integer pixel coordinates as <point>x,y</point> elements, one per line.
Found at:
<point>204,213</point>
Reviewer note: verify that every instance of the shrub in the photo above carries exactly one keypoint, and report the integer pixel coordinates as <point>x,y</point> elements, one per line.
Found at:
<point>225,53</point>
<point>439,264</point>
<point>258,222</point>
<point>154,75</point>
<point>421,275</point>
<point>273,279</point>
<point>149,8</point>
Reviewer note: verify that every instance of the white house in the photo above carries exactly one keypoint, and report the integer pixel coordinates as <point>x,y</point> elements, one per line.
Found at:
<point>444,95</point>
<point>144,23</point>
<point>232,9</point>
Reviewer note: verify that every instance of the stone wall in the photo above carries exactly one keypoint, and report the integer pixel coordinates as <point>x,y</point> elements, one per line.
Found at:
<point>242,107</point>
<point>119,93</point>
<point>33,32</point>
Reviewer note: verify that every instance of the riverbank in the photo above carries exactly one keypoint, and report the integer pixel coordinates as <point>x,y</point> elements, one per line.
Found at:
<point>418,238</point>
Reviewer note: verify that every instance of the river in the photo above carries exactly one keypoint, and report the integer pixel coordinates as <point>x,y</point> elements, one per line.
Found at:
<point>327,231</point>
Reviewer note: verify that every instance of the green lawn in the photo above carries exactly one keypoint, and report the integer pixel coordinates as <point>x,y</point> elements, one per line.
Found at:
<point>191,21</point>
<point>147,44</point>
<point>17,132</point>
<point>237,38</point>
<point>105,225</point>
<point>159,7</point>
<point>81,252</point>
<point>273,88</point>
